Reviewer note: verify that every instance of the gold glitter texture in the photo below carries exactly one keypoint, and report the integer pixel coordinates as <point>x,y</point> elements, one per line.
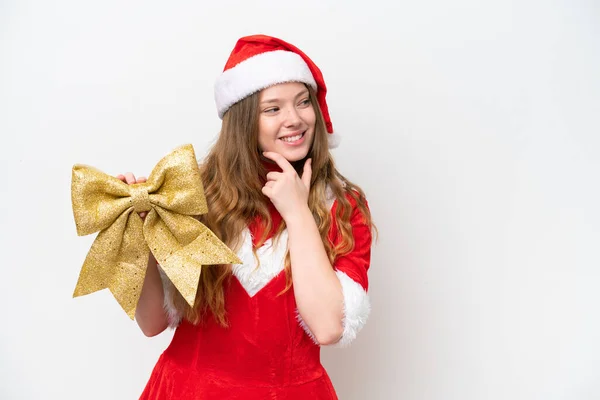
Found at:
<point>118,258</point>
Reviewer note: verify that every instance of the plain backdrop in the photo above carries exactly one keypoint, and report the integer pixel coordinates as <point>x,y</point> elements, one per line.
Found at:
<point>471,125</point>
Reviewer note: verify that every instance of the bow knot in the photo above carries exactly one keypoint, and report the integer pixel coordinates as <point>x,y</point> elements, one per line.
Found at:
<point>181,244</point>
<point>140,199</point>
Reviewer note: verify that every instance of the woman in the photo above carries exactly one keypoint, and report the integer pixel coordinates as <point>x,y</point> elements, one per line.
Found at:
<point>301,228</point>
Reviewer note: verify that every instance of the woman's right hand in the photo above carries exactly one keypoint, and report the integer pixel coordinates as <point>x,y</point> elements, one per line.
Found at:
<point>129,179</point>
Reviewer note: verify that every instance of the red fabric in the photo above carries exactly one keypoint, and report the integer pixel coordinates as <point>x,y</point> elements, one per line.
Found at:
<point>250,46</point>
<point>357,262</point>
<point>263,354</point>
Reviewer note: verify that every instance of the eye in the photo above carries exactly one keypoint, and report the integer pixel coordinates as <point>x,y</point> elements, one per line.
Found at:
<point>305,102</point>
<point>271,110</point>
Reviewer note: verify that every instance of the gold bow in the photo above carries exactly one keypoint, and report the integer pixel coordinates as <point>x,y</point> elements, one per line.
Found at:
<point>180,243</point>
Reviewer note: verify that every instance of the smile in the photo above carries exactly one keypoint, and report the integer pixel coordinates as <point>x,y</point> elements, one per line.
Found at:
<point>293,139</point>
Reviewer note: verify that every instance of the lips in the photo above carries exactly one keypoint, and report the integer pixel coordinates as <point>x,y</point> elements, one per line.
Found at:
<point>290,139</point>
<point>292,136</point>
<point>294,139</point>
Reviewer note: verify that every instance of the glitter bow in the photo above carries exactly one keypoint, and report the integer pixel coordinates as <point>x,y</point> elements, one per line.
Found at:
<point>181,244</point>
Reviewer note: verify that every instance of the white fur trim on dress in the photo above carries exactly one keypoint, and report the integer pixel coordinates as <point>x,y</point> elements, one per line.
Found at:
<point>306,328</point>
<point>357,308</point>
<point>254,277</point>
<point>173,316</point>
<point>259,72</point>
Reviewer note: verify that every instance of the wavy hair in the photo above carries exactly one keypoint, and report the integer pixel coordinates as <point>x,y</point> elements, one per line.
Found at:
<point>233,175</point>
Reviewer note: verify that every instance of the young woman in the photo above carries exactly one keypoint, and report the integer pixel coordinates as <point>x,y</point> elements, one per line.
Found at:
<point>302,230</point>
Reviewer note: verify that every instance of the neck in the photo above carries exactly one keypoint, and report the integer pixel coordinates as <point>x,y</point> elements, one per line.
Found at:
<point>271,165</point>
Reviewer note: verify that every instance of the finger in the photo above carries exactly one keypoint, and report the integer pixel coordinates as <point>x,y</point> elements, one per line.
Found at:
<point>121,177</point>
<point>129,178</point>
<point>307,173</point>
<point>142,179</point>
<point>270,184</point>
<point>273,175</point>
<point>280,160</point>
<point>267,191</point>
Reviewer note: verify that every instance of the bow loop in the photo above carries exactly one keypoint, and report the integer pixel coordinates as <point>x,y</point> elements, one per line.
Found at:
<point>98,199</point>
<point>172,196</point>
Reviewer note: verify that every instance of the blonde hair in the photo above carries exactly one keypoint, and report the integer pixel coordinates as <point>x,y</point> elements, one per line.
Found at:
<point>233,176</point>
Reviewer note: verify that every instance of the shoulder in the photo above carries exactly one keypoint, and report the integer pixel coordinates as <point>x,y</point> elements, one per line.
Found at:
<point>350,194</point>
<point>350,214</point>
<point>353,200</point>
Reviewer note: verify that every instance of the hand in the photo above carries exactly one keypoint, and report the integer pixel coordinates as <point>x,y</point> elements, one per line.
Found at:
<point>129,179</point>
<point>287,191</point>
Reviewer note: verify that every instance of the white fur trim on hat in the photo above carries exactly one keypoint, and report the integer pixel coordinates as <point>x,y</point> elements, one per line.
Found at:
<point>258,72</point>
<point>357,308</point>
<point>334,139</point>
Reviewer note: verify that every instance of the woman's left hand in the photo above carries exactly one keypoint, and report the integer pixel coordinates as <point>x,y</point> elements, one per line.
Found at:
<point>288,191</point>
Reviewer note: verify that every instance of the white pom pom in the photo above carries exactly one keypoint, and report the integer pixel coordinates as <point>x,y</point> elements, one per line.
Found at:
<point>334,140</point>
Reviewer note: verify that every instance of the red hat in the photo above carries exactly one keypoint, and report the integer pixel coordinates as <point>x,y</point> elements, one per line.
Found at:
<point>260,61</point>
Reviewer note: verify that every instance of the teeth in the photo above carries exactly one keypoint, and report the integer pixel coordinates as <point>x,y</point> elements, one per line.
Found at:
<point>292,138</point>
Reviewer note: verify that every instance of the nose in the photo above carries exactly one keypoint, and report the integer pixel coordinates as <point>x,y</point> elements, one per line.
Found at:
<point>292,118</point>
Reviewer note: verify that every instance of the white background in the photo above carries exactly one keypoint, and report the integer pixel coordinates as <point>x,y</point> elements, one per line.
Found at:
<point>472,126</point>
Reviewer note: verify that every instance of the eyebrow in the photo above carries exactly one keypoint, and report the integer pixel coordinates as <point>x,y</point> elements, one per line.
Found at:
<point>302,93</point>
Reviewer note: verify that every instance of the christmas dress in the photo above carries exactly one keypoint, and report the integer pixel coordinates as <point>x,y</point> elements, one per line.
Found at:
<point>267,351</point>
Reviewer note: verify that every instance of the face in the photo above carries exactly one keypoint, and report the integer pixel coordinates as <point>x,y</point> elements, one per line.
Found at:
<point>286,123</point>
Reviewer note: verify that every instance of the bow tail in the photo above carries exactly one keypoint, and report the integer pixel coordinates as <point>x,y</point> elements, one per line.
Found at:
<point>100,262</point>
<point>182,245</point>
<point>184,266</point>
<point>117,261</point>
<point>208,249</point>
<point>130,268</point>
<point>167,247</point>
<point>184,273</point>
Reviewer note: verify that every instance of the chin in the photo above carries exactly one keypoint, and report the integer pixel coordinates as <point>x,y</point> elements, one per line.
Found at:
<point>294,156</point>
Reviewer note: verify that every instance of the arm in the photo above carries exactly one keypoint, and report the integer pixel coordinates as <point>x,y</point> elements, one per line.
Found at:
<point>351,272</point>
<point>332,301</point>
<point>150,314</point>
<point>317,289</point>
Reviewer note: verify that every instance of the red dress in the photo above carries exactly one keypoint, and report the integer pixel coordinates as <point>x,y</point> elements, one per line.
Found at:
<point>267,352</point>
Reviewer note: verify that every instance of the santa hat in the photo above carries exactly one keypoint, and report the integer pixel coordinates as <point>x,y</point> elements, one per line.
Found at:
<point>260,61</point>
